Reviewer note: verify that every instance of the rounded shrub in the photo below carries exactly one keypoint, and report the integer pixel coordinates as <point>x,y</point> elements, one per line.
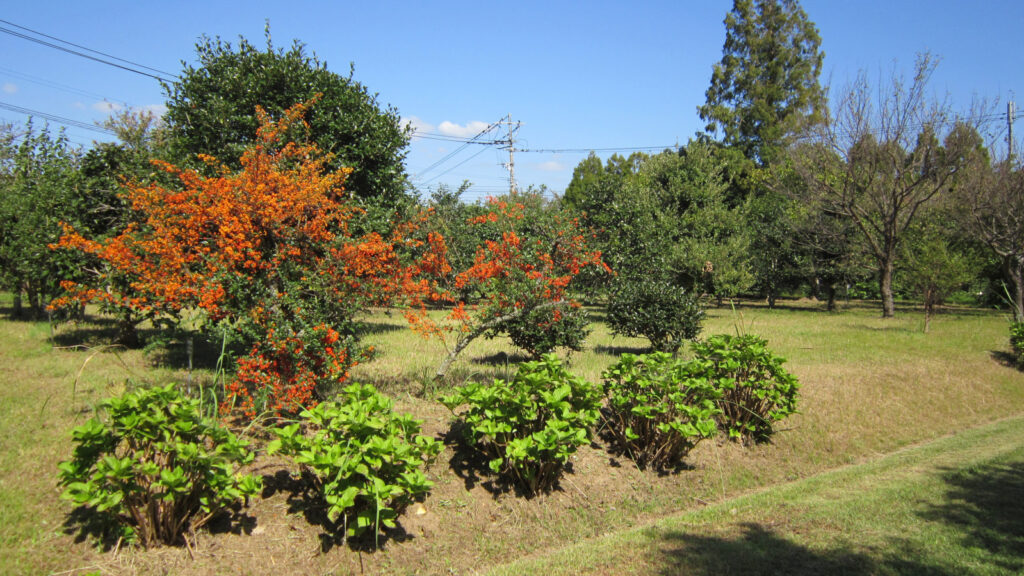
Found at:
<point>543,329</point>
<point>658,408</point>
<point>655,309</point>
<point>365,460</point>
<point>756,390</point>
<point>150,461</point>
<point>530,426</point>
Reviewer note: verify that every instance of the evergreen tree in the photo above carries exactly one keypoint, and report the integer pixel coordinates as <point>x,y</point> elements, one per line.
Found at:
<point>766,85</point>
<point>212,110</point>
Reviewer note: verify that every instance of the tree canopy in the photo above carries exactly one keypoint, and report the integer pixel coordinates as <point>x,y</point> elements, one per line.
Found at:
<point>892,163</point>
<point>212,110</point>
<point>766,85</point>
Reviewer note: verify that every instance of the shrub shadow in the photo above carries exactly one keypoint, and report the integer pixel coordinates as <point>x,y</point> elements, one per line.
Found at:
<point>986,506</point>
<point>501,359</point>
<point>367,327</point>
<point>304,498</point>
<point>85,524</point>
<point>1003,357</point>
<point>759,550</point>
<point>620,350</point>
<point>472,466</point>
<point>468,463</point>
<point>173,353</point>
<point>96,331</point>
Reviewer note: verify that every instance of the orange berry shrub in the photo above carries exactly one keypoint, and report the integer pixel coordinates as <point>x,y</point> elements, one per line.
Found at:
<point>265,254</point>
<point>520,280</point>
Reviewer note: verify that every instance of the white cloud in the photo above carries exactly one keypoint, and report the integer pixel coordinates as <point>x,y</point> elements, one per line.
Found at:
<point>157,110</point>
<point>105,106</point>
<point>551,166</point>
<point>417,124</point>
<point>10,88</point>
<point>472,129</point>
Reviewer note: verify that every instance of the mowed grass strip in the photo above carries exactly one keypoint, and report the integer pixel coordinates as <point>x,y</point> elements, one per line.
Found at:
<point>950,506</point>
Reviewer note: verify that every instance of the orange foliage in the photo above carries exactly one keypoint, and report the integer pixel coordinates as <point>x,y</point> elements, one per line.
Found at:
<point>512,274</point>
<point>235,244</point>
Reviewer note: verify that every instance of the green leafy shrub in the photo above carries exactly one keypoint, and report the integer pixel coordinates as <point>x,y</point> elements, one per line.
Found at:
<point>1017,342</point>
<point>543,329</point>
<point>658,310</point>
<point>366,460</point>
<point>658,409</point>
<point>529,427</point>
<point>153,463</point>
<point>756,390</point>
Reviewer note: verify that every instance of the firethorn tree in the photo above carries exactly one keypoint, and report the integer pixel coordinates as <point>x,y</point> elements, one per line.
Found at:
<point>264,253</point>
<point>524,267</point>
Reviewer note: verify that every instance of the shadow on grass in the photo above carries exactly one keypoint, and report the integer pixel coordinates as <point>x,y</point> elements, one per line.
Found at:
<point>620,350</point>
<point>304,498</point>
<point>985,505</point>
<point>466,462</point>
<point>93,332</point>
<point>892,328</point>
<point>472,466</point>
<point>382,326</point>
<point>759,550</point>
<point>502,359</point>
<point>86,524</point>
<point>1003,357</point>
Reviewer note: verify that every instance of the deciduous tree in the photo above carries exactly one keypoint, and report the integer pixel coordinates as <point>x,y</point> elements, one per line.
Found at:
<point>892,162</point>
<point>528,267</point>
<point>39,187</point>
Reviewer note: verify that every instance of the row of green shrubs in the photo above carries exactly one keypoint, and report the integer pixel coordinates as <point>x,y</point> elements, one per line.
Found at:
<point>150,462</point>
<point>657,408</point>
<point>157,469</point>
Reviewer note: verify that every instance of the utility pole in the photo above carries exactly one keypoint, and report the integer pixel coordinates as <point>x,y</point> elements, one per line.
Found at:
<point>510,142</point>
<point>1011,111</point>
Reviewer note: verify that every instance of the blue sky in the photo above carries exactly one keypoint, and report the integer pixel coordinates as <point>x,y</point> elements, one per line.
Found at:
<point>577,75</point>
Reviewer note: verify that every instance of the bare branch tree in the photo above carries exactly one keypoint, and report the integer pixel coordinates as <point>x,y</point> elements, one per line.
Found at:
<point>891,162</point>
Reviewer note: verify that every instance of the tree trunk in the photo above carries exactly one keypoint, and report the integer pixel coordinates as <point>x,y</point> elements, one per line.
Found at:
<point>816,288</point>
<point>1013,268</point>
<point>35,305</point>
<point>127,333</point>
<point>929,308</point>
<point>831,291</point>
<point>479,331</point>
<point>885,287</point>
<point>18,307</point>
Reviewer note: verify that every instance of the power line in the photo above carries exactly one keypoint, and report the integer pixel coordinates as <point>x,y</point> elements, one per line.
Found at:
<point>617,149</point>
<point>57,119</point>
<point>479,152</point>
<point>446,138</point>
<point>452,154</point>
<point>57,85</point>
<point>133,67</point>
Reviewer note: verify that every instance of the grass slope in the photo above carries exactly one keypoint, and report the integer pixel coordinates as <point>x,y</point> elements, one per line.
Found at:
<point>952,506</point>
<point>870,387</point>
